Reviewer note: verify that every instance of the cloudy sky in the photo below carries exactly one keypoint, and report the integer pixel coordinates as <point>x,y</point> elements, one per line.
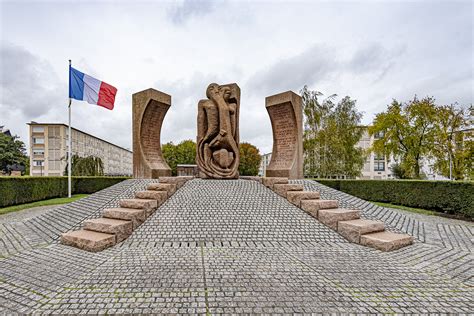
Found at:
<point>373,51</point>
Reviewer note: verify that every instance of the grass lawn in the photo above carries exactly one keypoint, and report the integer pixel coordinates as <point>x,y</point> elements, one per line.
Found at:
<point>409,209</point>
<point>55,201</point>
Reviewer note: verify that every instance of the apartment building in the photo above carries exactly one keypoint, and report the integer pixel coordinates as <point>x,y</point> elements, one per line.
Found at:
<point>49,146</point>
<point>266,158</point>
<point>376,166</point>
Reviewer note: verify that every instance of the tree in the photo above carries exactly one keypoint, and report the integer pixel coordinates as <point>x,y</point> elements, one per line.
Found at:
<point>86,166</point>
<point>249,159</point>
<point>398,171</point>
<point>182,153</point>
<point>12,151</point>
<point>453,147</point>
<point>332,131</point>
<point>406,131</point>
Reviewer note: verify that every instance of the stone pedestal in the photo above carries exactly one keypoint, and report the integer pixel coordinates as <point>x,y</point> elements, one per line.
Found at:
<point>286,116</point>
<point>149,109</point>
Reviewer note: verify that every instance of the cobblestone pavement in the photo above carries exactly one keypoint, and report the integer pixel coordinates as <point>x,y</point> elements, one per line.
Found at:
<point>233,247</point>
<point>445,245</point>
<point>25,214</point>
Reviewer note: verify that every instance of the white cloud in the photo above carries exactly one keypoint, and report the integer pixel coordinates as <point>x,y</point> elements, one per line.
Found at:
<point>371,51</point>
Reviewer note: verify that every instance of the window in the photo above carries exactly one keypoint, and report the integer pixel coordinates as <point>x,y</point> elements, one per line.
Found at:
<point>379,162</point>
<point>379,135</point>
<point>379,165</point>
<point>37,140</point>
<point>38,129</point>
<point>54,131</point>
<point>38,152</point>
<point>38,163</point>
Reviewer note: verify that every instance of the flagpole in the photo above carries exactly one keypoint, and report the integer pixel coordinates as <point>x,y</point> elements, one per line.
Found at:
<point>69,155</point>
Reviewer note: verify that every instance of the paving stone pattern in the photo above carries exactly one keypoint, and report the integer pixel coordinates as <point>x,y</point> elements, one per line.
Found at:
<point>445,245</point>
<point>233,246</point>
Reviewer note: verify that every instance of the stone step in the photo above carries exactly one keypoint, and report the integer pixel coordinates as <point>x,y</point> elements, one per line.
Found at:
<point>120,228</point>
<point>386,241</point>
<point>295,197</point>
<point>149,205</point>
<point>187,178</point>
<point>88,240</point>
<point>313,206</point>
<point>353,229</point>
<point>281,189</point>
<point>330,217</point>
<point>179,181</point>
<point>270,181</point>
<point>168,187</point>
<point>252,178</point>
<point>137,216</point>
<point>159,196</point>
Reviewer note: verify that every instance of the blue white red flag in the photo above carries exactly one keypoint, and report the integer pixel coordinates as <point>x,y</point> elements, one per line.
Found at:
<point>86,88</point>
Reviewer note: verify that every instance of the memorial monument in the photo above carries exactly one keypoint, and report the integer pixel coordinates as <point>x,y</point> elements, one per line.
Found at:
<point>149,109</point>
<point>286,115</point>
<point>217,142</point>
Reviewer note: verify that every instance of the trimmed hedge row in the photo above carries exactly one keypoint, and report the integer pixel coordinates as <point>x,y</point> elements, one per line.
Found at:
<point>443,196</point>
<point>19,190</point>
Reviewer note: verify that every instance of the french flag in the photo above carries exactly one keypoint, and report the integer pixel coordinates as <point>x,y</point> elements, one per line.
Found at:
<point>84,87</point>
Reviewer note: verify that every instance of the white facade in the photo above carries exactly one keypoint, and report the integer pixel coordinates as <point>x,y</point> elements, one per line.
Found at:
<point>49,147</point>
<point>264,164</point>
<point>375,167</point>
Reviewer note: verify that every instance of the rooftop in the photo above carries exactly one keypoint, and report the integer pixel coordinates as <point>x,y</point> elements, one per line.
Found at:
<point>78,130</point>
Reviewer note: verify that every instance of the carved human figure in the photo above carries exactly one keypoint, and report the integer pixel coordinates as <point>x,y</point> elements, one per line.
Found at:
<point>218,133</point>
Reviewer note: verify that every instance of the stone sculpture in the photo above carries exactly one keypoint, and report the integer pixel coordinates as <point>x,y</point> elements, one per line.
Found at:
<point>287,124</point>
<point>217,143</point>
<point>149,109</point>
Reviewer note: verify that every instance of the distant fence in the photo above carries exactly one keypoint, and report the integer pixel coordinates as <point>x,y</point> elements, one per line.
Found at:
<point>19,190</point>
<point>450,197</point>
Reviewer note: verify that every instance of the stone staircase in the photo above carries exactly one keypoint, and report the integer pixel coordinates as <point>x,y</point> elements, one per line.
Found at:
<point>346,222</point>
<point>117,224</point>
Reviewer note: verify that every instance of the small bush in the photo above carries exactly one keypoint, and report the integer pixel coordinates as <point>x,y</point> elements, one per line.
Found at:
<point>19,190</point>
<point>450,197</point>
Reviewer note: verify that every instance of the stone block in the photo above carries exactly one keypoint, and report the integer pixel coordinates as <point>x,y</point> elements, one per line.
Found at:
<point>159,196</point>
<point>120,228</point>
<point>295,197</point>
<point>386,241</point>
<point>149,205</point>
<point>88,240</point>
<point>281,189</point>
<point>286,116</point>
<point>353,229</point>
<point>270,181</point>
<point>179,181</point>
<point>313,206</point>
<point>330,217</point>
<point>168,187</point>
<point>252,178</point>
<point>149,108</point>
<point>137,216</point>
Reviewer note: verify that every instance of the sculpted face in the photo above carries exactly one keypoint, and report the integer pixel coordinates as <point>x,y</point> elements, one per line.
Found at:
<point>212,90</point>
<point>226,92</point>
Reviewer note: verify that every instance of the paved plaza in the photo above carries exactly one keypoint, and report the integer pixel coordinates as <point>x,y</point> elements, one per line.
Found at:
<point>233,246</point>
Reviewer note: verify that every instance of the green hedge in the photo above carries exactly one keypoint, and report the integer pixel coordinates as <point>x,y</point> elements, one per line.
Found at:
<point>19,190</point>
<point>450,197</point>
